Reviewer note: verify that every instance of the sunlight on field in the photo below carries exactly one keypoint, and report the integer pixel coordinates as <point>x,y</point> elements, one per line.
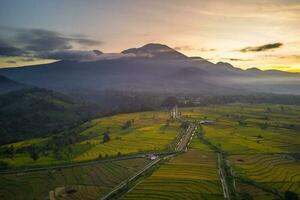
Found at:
<point>150,131</point>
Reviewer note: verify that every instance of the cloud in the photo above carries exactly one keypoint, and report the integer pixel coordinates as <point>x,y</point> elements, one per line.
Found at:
<point>296,57</point>
<point>262,47</point>
<point>27,59</point>
<point>11,61</point>
<point>40,43</point>
<point>8,50</point>
<point>237,59</point>
<point>42,40</point>
<point>191,48</point>
<point>86,42</point>
<point>73,55</point>
<point>85,56</point>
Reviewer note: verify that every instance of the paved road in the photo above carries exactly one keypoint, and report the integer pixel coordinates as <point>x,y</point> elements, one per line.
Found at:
<point>124,183</point>
<point>182,145</point>
<point>184,141</point>
<point>223,180</point>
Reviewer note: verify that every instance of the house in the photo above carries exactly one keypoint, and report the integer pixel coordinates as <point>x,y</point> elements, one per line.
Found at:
<point>151,156</point>
<point>206,122</point>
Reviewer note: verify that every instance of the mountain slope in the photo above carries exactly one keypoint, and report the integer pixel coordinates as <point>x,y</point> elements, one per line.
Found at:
<point>154,68</point>
<point>36,112</point>
<point>7,85</point>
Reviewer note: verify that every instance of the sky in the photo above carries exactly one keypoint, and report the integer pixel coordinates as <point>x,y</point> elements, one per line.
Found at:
<point>246,33</point>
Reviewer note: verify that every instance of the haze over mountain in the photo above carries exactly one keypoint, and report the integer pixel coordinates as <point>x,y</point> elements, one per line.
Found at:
<point>154,68</point>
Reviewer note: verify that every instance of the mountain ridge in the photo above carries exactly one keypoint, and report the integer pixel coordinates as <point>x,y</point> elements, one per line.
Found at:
<point>166,71</point>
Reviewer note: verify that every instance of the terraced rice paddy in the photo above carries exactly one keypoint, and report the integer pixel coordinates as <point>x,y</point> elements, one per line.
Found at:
<point>150,131</point>
<point>191,175</point>
<point>267,136</point>
<point>274,171</point>
<point>259,141</point>
<point>248,191</point>
<point>250,129</point>
<point>84,182</point>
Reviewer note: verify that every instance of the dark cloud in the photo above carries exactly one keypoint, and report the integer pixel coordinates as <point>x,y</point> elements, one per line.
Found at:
<point>261,48</point>
<point>9,50</point>
<point>39,43</point>
<point>11,61</point>
<point>42,40</point>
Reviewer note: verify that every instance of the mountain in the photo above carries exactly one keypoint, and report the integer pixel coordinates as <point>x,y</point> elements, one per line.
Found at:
<point>154,68</point>
<point>7,85</point>
<point>156,51</point>
<point>35,112</point>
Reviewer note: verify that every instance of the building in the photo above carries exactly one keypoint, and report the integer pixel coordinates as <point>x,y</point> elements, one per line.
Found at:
<point>151,156</point>
<point>174,113</point>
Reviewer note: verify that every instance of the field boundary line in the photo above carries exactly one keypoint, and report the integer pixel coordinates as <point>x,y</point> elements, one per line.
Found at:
<point>125,182</point>
<point>222,177</point>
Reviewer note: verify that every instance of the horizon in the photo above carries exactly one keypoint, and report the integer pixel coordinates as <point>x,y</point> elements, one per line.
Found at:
<point>32,32</point>
<point>53,61</point>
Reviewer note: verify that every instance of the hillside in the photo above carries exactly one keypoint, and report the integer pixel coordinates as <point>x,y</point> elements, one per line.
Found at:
<point>37,112</point>
<point>7,85</point>
<point>154,68</point>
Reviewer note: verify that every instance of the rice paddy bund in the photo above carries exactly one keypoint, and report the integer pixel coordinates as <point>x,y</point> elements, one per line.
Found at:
<point>85,182</point>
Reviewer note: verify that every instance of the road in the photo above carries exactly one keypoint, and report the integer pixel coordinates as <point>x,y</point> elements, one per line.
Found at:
<point>124,183</point>
<point>182,145</point>
<point>184,141</point>
<point>223,180</point>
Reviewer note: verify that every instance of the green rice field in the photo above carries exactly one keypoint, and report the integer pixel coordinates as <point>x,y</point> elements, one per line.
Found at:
<point>84,182</point>
<point>190,175</point>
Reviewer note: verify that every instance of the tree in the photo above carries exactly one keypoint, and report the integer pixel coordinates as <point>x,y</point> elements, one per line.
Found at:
<point>106,137</point>
<point>184,125</point>
<point>289,195</point>
<point>8,151</point>
<point>170,102</point>
<point>127,124</point>
<point>33,152</point>
<point>3,165</point>
<point>264,125</point>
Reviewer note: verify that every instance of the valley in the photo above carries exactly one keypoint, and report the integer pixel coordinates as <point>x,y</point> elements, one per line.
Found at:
<point>259,145</point>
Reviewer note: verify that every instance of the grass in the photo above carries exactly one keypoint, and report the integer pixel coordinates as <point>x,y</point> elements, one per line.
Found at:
<point>84,182</point>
